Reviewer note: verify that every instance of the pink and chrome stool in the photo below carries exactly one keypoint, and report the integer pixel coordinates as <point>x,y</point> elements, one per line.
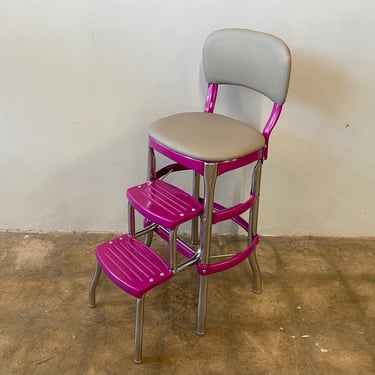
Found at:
<point>209,145</point>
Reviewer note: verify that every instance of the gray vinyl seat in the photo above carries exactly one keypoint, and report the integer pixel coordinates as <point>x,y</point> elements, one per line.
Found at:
<point>207,136</point>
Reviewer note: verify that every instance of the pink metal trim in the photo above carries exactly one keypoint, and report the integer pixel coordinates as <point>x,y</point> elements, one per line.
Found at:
<point>190,163</point>
<point>229,213</point>
<point>270,124</point>
<point>198,165</point>
<point>168,169</point>
<point>207,269</point>
<point>211,97</point>
<point>229,165</point>
<point>237,219</point>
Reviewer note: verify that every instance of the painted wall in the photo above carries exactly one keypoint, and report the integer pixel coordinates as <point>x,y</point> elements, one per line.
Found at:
<point>81,80</point>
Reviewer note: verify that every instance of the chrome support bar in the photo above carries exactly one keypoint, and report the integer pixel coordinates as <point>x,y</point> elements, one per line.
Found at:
<point>209,177</point>
<point>93,284</point>
<point>194,222</point>
<point>138,334</point>
<point>253,227</point>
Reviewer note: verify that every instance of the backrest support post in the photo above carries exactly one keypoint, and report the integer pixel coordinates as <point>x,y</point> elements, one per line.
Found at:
<point>211,97</point>
<point>270,124</point>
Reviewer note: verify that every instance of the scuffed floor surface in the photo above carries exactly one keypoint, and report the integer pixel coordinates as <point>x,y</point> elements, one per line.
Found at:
<point>316,314</point>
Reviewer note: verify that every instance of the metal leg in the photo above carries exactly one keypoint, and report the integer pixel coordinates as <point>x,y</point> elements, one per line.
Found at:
<point>253,228</point>
<point>131,226</point>
<point>210,175</point>
<point>138,334</point>
<point>131,219</point>
<point>148,238</point>
<point>257,275</point>
<point>202,306</point>
<point>151,175</point>
<point>194,222</point>
<point>151,168</point>
<point>93,284</point>
<point>172,249</point>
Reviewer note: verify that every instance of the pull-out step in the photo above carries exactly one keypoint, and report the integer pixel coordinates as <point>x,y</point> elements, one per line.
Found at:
<point>132,265</point>
<point>163,203</point>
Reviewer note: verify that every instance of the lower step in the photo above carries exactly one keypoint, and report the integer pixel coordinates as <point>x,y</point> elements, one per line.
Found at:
<point>131,265</point>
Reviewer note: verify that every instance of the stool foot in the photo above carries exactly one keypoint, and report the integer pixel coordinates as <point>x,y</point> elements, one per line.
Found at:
<point>93,284</point>
<point>257,276</point>
<point>138,334</point>
<point>202,306</point>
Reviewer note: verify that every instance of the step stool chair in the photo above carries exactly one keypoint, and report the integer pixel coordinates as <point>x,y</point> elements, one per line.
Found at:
<point>209,145</point>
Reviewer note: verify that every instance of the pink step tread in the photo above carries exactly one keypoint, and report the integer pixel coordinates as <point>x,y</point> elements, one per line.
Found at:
<point>131,265</point>
<point>163,203</point>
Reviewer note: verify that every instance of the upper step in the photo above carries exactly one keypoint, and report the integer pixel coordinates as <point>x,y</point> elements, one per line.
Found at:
<point>163,203</point>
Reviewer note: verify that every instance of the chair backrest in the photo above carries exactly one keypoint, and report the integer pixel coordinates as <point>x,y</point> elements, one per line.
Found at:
<point>248,58</point>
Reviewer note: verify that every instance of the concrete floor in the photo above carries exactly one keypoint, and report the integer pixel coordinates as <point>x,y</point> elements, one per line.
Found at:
<point>316,314</point>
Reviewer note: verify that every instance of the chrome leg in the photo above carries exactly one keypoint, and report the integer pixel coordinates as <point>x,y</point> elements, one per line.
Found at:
<point>148,238</point>
<point>132,230</point>
<point>194,222</point>
<point>210,175</point>
<point>138,334</point>
<point>202,306</point>
<point>253,228</point>
<point>257,275</point>
<point>151,175</point>
<point>151,168</point>
<point>173,250</point>
<point>93,284</point>
<point>131,219</point>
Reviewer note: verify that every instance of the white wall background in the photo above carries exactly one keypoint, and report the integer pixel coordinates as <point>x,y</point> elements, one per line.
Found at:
<point>80,81</point>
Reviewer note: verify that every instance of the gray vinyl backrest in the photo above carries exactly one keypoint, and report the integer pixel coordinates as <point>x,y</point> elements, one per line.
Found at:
<point>248,58</point>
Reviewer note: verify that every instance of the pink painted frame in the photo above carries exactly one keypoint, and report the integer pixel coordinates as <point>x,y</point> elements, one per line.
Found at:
<point>220,212</point>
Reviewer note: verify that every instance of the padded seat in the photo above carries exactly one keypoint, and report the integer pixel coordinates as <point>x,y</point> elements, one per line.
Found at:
<point>206,136</point>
